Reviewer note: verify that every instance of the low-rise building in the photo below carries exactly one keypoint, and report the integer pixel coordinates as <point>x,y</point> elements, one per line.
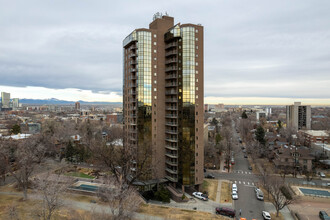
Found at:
<point>288,158</point>
<point>315,136</point>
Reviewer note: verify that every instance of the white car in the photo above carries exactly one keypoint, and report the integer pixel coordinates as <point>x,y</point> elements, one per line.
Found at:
<point>234,187</point>
<point>201,196</point>
<point>266,215</point>
<point>234,195</point>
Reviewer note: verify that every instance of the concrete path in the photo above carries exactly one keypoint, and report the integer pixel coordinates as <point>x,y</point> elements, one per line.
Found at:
<point>217,198</point>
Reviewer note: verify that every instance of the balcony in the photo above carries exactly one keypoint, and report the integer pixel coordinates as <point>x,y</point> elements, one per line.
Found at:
<point>174,84</point>
<point>132,122</point>
<point>171,155</point>
<point>132,100</point>
<point>133,115</point>
<point>171,131</point>
<point>171,76</point>
<point>170,147</point>
<point>171,123</point>
<point>171,116</point>
<point>132,108</point>
<point>171,139</point>
<point>134,47</point>
<point>168,61</point>
<point>171,163</point>
<point>171,52</point>
<point>133,85</point>
<point>132,55</point>
<point>133,70</point>
<point>132,78</point>
<point>173,179</point>
<point>171,68</point>
<point>132,93</point>
<point>171,92</point>
<point>133,131</point>
<point>132,138</point>
<point>171,108</point>
<point>133,62</point>
<point>171,100</point>
<point>169,45</point>
<point>171,171</point>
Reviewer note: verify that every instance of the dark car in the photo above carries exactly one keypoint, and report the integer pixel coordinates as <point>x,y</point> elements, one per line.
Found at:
<point>210,176</point>
<point>323,215</point>
<point>225,211</point>
<point>245,156</point>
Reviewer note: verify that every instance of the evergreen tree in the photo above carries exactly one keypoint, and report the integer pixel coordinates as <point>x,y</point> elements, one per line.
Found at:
<point>279,123</point>
<point>260,135</point>
<point>16,129</point>
<point>70,151</point>
<point>244,115</point>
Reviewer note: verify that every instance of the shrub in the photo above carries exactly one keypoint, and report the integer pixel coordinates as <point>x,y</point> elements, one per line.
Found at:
<point>163,194</point>
<point>285,191</point>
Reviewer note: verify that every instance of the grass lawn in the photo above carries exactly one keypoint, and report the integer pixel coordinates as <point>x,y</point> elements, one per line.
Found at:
<point>225,194</point>
<point>273,215</point>
<point>211,187</point>
<point>175,213</point>
<point>79,174</point>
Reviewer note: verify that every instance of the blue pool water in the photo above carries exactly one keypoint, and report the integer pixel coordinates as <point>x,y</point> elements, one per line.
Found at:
<point>315,192</point>
<point>90,188</point>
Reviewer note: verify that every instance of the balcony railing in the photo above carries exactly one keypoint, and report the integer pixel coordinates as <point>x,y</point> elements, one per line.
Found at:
<point>171,76</point>
<point>133,85</point>
<point>171,171</point>
<point>168,61</point>
<point>171,139</point>
<point>171,131</point>
<point>172,92</point>
<point>171,116</point>
<point>172,155</point>
<point>171,123</point>
<point>174,84</point>
<point>171,108</point>
<point>172,68</point>
<point>172,52</point>
<point>173,44</point>
<point>171,163</point>
<point>171,100</point>
<point>170,178</point>
<point>132,55</point>
<point>171,147</point>
<point>133,70</point>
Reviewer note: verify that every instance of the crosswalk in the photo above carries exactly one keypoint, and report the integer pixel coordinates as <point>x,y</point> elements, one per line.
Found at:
<point>246,183</point>
<point>242,172</point>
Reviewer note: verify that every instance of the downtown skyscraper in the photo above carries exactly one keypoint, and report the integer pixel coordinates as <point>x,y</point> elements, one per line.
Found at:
<point>163,102</point>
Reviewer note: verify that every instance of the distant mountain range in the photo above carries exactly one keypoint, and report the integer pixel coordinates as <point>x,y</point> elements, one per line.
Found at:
<point>54,101</point>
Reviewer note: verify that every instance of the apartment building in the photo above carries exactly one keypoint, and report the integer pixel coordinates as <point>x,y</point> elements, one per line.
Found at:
<point>298,116</point>
<point>163,102</point>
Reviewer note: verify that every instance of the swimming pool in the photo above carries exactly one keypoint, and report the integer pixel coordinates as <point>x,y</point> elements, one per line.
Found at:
<point>90,188</point>
<point>315,192</point>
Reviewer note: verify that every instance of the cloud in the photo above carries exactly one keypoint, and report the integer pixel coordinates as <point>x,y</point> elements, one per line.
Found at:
<point>252,49</point>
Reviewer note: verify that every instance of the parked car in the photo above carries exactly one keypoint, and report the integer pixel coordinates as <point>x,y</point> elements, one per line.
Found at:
<point>266,215</point>
<point>225,211</point>
<point>245,156</point>
<point>200,195</point>
<point>234,187</point>
<point>234,195</point>
<point>323,215</point>
<point>322,174</point>
<point>250,168</point>
<point>210,176</point>
<point>260,195</point>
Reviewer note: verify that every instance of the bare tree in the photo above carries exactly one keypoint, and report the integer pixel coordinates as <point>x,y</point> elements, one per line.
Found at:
<point>122,199</point>
<point>52,188</point>
<point>12,212</point>
<point>27,155</point>
<point>4,159</point>
<point>276,187</point>
<point>126,166</point>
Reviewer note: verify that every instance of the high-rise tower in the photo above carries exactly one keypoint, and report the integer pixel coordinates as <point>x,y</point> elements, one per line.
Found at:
<point>163,97</point>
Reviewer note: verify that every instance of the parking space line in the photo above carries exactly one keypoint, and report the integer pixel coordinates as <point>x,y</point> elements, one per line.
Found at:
<point>239,182</point>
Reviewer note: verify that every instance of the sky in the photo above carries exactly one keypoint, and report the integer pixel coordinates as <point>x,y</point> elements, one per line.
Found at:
<point>255,52</point>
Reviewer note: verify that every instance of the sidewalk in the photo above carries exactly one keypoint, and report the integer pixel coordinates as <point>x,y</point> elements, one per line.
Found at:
<point>285,211</point>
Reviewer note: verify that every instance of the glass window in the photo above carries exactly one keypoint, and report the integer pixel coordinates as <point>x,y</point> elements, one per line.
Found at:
<point>196,38</point>
<point>196,47</point>
<point>155,97</point>
<point>155,35</point>
<point>155,58</point>
<point>196,88</point>
<point>155,43</point>
<point>155,82</point>
<point>155,89</point>
<point>196,31</point>
<point>155,74</point>
<point>155,66</point>
<point>155,51</point>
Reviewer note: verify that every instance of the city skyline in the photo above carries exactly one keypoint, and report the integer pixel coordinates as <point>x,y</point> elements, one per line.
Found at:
<point>256,53</point>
